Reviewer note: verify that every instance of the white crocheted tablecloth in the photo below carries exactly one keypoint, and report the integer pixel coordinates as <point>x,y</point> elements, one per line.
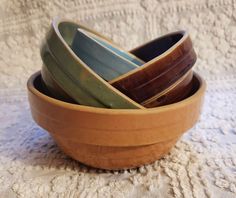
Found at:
<point>203,162</point>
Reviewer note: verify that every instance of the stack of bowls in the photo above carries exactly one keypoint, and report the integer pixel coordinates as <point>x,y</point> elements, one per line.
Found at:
<point>113,109</point>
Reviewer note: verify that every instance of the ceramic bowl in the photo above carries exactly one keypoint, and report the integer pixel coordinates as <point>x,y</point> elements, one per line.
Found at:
<point>99,57</point>
<point>107,157</point>
<point>53,87</point>
<point>167,59</point>
<point>114,127</point>
<point>76,79</point>
<point>63,119</point>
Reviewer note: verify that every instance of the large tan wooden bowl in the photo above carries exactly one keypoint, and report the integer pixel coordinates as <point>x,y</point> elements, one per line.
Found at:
<point>114,139</point>
<point>114,127</point>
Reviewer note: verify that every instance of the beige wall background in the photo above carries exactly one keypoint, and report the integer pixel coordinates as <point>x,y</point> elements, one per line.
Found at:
<point>211,23</point>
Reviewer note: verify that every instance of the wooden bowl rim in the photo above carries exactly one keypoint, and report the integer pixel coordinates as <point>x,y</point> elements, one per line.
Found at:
<point>195,96</point>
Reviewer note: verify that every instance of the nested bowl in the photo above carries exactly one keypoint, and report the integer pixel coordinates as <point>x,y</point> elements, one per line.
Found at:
<point>78,83</point>
<point>107,138</point>
<point>167,58</point>
<point>76,79</point>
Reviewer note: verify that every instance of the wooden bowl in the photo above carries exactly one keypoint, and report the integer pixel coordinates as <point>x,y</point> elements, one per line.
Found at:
<point>101,58</point>
<point>114,127</point>
<point>167,59</point>
<point>111,158</point>
<point>76,79</point>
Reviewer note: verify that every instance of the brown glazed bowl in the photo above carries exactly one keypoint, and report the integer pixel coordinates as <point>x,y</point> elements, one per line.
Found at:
<point>114,127</point>
<point>167,59</point>
<point>113,138</point>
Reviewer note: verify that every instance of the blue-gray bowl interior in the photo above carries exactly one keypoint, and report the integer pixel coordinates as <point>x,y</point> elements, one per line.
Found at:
<point>105,59</point>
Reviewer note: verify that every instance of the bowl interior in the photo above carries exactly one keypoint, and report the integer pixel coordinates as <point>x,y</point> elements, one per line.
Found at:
<point>157,46</point>
<point>128,56</point>
<point>38,85</point>
<point>68,31</point>
<point>105,62</point>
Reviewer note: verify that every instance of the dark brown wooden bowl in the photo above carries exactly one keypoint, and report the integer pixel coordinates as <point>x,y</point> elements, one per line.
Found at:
<point>167,58</point>
<point>175,93</point>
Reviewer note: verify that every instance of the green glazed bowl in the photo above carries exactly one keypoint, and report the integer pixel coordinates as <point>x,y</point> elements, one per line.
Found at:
<point>101,57</point>
<point>72,75</point>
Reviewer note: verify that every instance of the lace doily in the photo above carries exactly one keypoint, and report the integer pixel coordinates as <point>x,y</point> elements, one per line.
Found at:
<point>203,162</point>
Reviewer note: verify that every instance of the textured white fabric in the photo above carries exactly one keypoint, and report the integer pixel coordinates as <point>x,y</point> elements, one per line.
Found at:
<point>202,164</point>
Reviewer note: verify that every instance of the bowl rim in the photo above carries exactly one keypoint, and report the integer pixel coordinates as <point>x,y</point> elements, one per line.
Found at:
<point>185,36</point>
<point>199,92</point>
